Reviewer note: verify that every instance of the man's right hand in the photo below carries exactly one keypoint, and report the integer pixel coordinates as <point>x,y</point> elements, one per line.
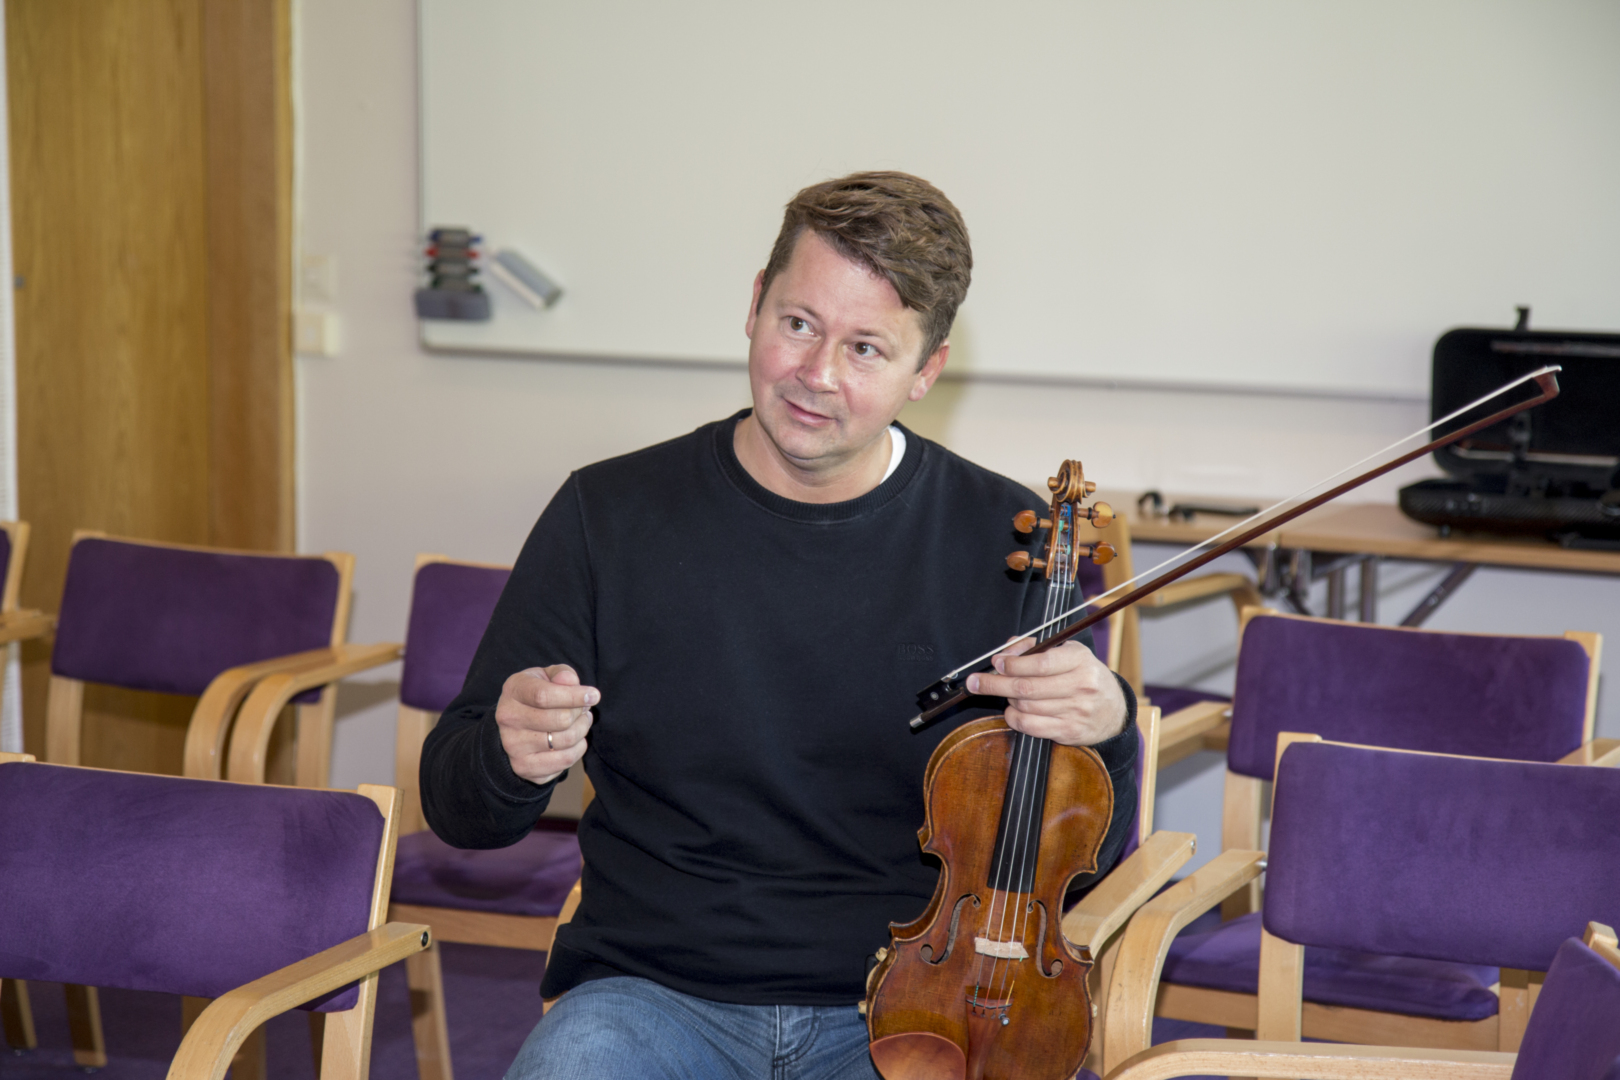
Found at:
<point>538,703</point>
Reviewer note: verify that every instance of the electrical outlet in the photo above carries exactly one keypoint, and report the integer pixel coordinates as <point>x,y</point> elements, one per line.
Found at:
<point>316,333</point>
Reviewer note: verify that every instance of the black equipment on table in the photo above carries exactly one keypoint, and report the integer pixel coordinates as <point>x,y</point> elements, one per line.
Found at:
<point>1553,470</point>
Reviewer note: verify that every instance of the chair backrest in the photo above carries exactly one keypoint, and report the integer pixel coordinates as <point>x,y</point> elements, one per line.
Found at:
<point>1519,698</point>
<point>170,618</point>
<point>1147,772</point>
<point>451,603</point>
<point>1574,1033</point>
<point>1470,860</point>
<point>13,547</point>
<point>183,886</point>
<point>1105,635</point>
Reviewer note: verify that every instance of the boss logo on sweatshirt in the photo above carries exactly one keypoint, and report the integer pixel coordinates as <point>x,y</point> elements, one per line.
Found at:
<point>913,652</point>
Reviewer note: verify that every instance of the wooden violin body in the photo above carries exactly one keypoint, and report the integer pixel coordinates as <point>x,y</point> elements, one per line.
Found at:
<point>983,986</point>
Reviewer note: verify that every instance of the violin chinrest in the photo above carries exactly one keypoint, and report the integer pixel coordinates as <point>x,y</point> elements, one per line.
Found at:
<point>918,1055</point>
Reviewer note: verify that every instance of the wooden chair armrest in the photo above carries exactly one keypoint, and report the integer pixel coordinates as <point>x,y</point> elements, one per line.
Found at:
<point>1135,986</point>
<point>1196,588</point>
<point>211,719</point>
<point>250,740</point>
<point>1114,899</point>
<point>1181,734</point>
<point>1604,753</point>
<point>213,1040</point>
<point>23,624</point>
<point>1239,1057</point>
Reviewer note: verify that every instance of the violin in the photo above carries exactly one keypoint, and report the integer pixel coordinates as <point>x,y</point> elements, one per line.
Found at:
<point>983,985</point>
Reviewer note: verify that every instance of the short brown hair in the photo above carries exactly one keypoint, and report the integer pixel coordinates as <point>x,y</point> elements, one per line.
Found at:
<point>900,227</point>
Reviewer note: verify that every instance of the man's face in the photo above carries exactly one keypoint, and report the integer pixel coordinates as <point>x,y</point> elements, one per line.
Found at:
<point>833,357</point>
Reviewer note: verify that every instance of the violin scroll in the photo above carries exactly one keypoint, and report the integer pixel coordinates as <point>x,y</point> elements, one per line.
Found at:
<point>1063,555</point>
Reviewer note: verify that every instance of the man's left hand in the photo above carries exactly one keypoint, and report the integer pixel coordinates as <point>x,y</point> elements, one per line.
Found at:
<point>1064,694</point>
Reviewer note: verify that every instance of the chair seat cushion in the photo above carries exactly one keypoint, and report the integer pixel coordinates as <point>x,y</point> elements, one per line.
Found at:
<point>532,877</point>
<point>1228,958</point>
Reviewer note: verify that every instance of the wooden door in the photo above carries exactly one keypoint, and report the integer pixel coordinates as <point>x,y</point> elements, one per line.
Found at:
<point>150,173</point>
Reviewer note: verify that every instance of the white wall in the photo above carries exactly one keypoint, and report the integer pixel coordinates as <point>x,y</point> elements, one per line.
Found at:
<point>402,451</point>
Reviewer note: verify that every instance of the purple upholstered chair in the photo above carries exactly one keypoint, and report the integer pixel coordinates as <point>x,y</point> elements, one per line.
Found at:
<point>508,897</point>
<point>1388,863</point>
<point>1524,698</point>
<point>206,622</point>
<point>250,895</point>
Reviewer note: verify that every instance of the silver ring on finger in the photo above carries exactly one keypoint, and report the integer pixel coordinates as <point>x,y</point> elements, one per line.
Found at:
<point>549,746</point>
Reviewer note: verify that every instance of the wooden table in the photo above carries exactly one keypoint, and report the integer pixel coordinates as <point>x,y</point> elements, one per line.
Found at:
<point>1330,540</point>
<point>1184,532</point>
<point>1381,529</point>
<point>1364,533</point>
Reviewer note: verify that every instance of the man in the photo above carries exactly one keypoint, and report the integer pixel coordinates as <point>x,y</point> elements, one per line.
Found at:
<point>729,630</point>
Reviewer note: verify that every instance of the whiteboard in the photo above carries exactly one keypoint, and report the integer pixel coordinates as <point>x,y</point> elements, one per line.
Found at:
<point>1264,194</point>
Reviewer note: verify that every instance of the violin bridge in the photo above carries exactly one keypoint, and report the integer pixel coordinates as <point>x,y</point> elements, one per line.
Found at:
<point>1001,950</point>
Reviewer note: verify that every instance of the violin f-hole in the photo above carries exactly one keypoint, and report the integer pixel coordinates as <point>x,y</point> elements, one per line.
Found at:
<point>1040,942</point>
<point>927,951</point>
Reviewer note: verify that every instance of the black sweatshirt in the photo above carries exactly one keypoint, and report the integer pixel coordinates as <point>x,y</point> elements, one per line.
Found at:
<point>758,790</point>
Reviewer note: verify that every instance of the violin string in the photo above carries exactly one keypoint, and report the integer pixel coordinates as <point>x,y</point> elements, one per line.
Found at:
<point>1060,588</point>
<point>1014,817</point>
<point>1298,496</point>
<point>999,874</point>
<point>998,896</point>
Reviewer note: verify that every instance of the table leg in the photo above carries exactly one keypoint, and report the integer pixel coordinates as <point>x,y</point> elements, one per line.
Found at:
<point>1298,579</point>
<point>1369,589</point>
<point>1460,572</point>
<point>1335,597</point>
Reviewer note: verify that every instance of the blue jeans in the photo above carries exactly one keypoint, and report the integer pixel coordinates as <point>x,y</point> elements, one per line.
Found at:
<point>632,1029</point>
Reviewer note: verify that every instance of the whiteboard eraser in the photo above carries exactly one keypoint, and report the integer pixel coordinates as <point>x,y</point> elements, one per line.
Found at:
<point>524,278</point>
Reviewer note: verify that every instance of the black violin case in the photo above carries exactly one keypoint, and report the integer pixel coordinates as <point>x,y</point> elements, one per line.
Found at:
<point>1553,470</point>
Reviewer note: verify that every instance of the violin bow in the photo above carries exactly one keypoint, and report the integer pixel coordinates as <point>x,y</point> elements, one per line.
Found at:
<point>952,688</point>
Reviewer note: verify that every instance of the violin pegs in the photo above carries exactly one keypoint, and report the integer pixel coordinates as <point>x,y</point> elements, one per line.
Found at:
<point>1020,560</point>
<point>1101,515</point>
<point>1102,554</point>
<point>1025,520</point>
<point>1091,488</point>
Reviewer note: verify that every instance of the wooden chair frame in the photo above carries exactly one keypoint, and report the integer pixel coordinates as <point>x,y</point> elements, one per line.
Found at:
<point>19,624</point>
<point>423,971</point>
<point>1277,1011</point>
<point>1291,1058</point>
<point>221,1029</point>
